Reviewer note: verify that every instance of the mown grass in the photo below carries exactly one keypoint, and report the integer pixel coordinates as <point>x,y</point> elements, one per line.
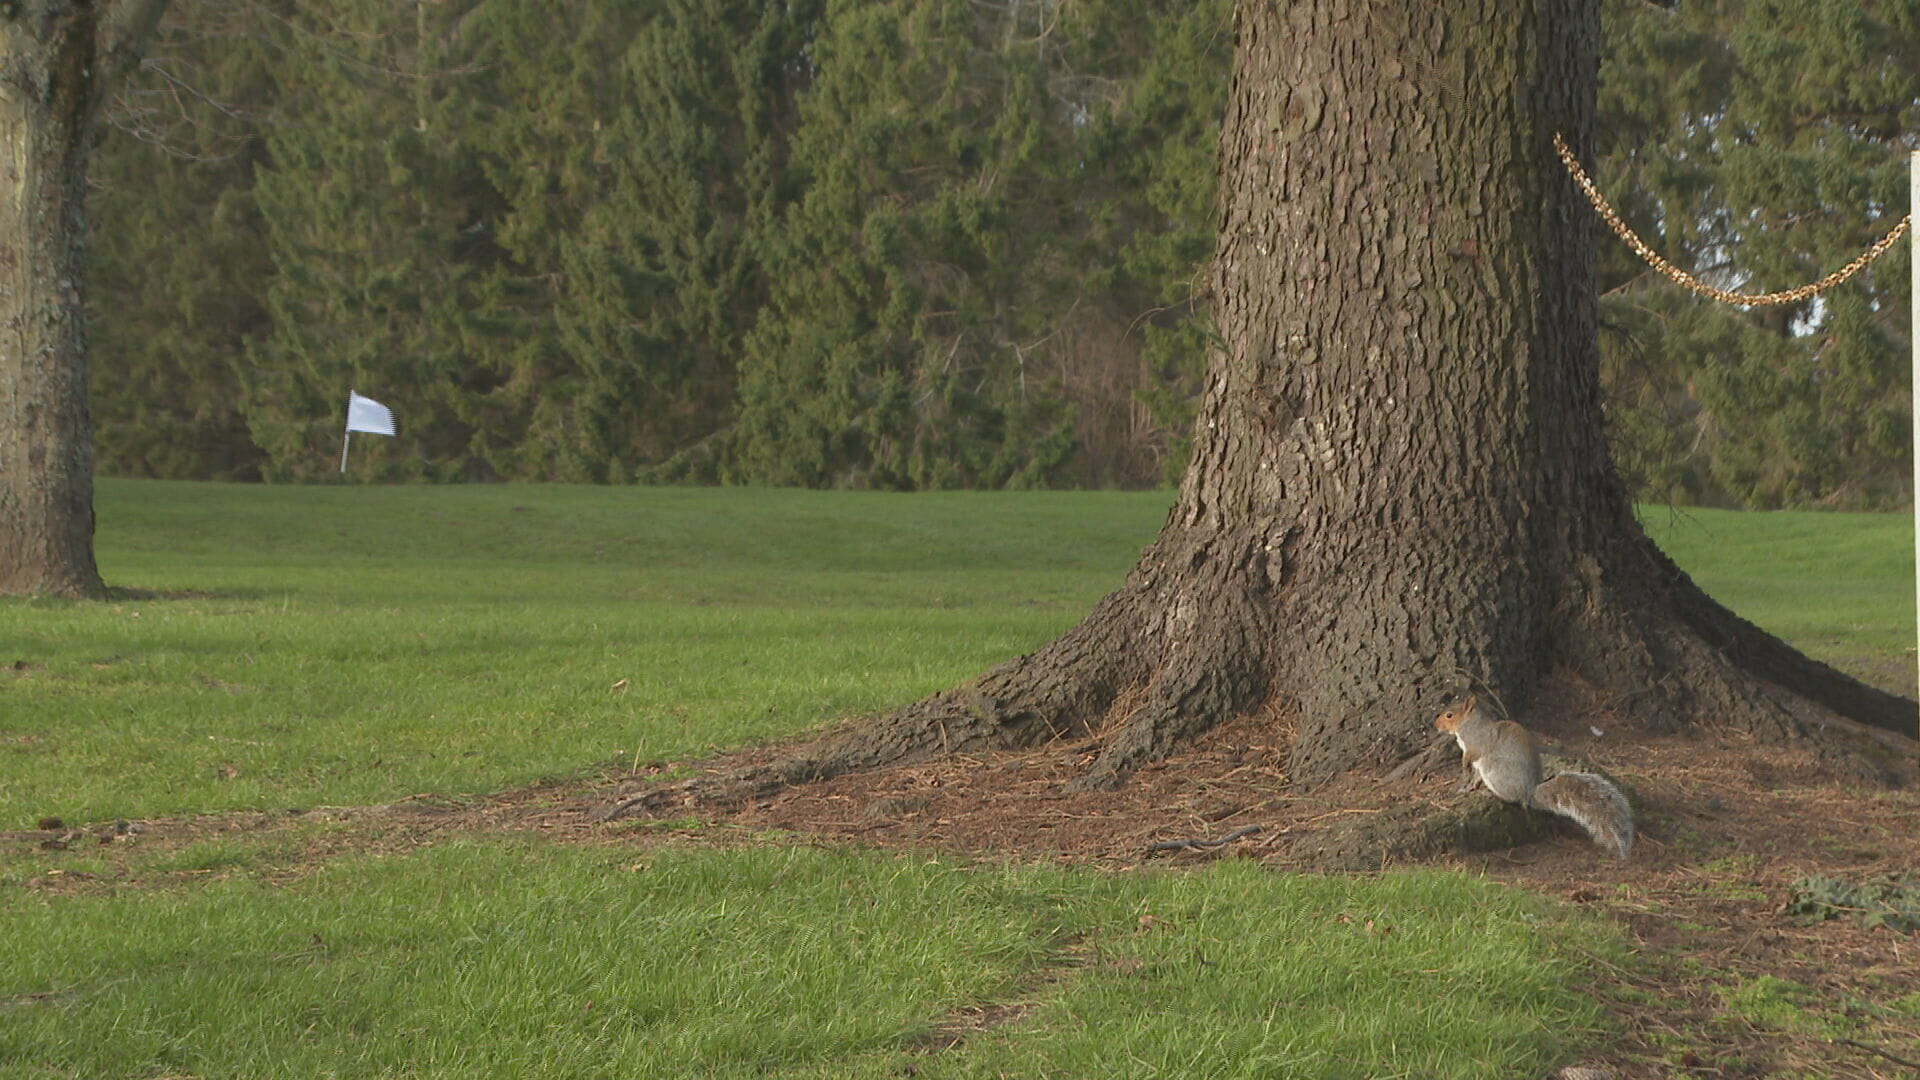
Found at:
<point>302,647</point>
<point>293,647</point>
<point>1839,586</point>
<point>348,645</point>
<point>491,957</point>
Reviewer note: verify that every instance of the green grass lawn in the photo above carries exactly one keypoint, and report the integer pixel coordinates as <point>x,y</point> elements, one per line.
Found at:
<point>496,957</point>
<point>1839,586</point>
<point>326,646</point>
<point>297,647</point>
<point>345,645</point>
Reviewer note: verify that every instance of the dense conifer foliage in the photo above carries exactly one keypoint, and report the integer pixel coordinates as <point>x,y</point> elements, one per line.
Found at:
<point>896,243</point>
<point>1761,144</point>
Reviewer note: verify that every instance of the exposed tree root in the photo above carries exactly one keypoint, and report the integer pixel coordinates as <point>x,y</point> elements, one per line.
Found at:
<point>1665,668</point>
<point>1201,681</point>
<point>1766,657</point>
<point>1416,831</point>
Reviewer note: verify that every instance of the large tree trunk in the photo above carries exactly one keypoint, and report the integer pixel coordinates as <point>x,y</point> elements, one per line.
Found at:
<point>55,58</point>
<point>1401,482</point>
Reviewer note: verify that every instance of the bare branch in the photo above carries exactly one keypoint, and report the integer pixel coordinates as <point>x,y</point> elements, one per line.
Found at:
<point>122,38</point>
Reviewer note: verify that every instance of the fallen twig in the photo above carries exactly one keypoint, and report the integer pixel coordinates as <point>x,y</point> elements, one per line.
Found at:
<point>1876,1050</point>
<point>1195,842</point>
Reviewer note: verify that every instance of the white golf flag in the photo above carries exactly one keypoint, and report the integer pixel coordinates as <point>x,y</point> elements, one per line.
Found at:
<point>366,414</point>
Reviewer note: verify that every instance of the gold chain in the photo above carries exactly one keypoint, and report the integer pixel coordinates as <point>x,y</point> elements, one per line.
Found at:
<point>1686,280</point>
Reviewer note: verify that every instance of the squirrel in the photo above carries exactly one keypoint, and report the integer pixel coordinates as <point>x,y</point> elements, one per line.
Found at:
<point>1504,756</point>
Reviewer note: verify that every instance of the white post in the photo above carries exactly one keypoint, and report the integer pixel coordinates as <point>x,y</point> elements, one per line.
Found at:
<point>346,440</point>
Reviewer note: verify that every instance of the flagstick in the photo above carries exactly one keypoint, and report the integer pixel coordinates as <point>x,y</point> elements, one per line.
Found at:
<point>346,437</point>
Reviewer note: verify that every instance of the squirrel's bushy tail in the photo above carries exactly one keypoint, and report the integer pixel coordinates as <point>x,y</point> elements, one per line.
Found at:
<point>1594,803</point>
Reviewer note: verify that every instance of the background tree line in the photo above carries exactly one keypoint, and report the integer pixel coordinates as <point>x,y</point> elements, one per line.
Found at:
<point>897,243</point>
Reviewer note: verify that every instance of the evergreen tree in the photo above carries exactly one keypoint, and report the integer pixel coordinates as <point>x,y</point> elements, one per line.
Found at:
<point>1762,144</point>
<point>178,253</point>
<point>904,243</point>
<point>547,92</point>
<point>378,212</point>
<point>664,275</point>
<point>1144,84</point>
<point>890,355</point>
<point>548,236</point>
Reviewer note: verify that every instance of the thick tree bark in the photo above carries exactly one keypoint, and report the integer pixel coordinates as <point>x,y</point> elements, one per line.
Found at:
<point>1401,480</point>
<point>55,57</point>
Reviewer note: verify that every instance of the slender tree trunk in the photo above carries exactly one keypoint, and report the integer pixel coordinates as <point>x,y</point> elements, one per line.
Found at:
<point>46,445</point>
<point>1401,480</point>
<point>55,57</point>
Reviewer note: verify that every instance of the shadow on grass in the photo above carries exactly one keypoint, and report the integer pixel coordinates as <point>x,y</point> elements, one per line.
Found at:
<point>131,592</point>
